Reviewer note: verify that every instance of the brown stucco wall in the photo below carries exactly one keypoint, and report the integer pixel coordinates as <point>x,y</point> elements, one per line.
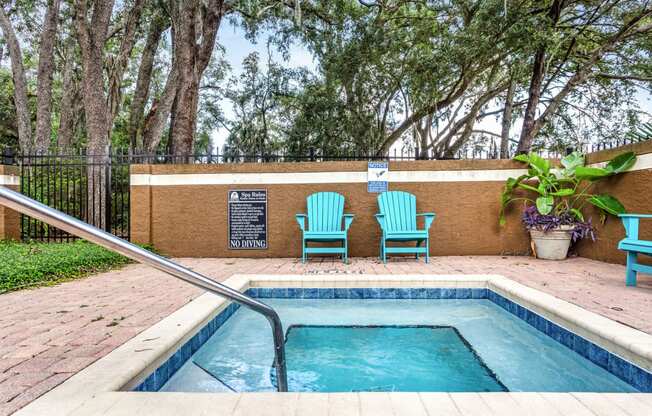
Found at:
<point>634,190</point>
<point>191,220</point>
<point>9,219</point>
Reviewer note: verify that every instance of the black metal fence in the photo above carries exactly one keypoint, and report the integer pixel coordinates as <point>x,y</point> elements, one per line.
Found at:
<point>92,188</point>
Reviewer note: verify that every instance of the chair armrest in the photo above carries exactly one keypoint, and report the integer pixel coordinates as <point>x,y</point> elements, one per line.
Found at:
<point>631,222</point>
<point>348,219</point>
<point>301,219</point>
<point>381,220</point>
<point>429,217</point>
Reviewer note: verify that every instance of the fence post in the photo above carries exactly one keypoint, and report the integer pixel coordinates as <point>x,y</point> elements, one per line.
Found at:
<point>311,152</point>
<point>8,157</point>
<point>108,191</point>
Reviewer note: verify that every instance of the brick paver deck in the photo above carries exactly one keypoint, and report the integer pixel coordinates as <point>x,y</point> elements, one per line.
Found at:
<point>49,334</point>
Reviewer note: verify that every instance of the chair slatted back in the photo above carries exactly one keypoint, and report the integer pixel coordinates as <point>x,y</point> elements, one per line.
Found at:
<point>325,210</point>
<point>399,209</point>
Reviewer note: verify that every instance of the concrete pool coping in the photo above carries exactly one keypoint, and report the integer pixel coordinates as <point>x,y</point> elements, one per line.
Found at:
<point>100,388</point>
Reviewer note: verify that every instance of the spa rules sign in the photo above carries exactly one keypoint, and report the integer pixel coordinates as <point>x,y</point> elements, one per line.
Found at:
<point>248,219</point>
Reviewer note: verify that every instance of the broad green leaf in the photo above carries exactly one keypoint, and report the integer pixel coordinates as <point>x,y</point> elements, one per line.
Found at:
<point>572,161</point>
<point>564,192</point>
<point>506,196</point>
<point>578,214</point>
<point>522,158</point>
<point>621,162</point>
<point>608,204</point>
<point>542,188</point>
<point>529,188</point>
<point>509,188</point>
<point>591,174</point>
<point>511,183</point>
<point>540,164</point>
<point>544,204</point>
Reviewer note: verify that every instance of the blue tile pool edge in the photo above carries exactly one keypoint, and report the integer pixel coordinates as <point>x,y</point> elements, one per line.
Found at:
<point>165,371</point>
<point>630,373</point>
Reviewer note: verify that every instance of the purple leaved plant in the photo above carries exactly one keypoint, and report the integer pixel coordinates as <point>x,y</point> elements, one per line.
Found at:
<point>533,220</point>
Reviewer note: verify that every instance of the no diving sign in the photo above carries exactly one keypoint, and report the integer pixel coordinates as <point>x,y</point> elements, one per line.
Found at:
<point>247,219</point>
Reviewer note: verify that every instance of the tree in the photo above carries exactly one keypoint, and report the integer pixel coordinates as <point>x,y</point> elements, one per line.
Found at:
<point>194,28</point>
<point>158,24</point>
<point>23,117</point>
<point>423,74</point>
<point>584,49</point>
<point>117,64</point>
<point>258,103</point>
<point>71,100</point>
<point>92,35</point>
<point>44,77</point>
<point>506,122</point>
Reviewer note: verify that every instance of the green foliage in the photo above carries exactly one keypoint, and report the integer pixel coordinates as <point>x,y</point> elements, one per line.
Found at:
<point>381,63</point>
<point>565,190</point>
<point>378,63</point>
<point>25,265</point>
<point>259,100</point>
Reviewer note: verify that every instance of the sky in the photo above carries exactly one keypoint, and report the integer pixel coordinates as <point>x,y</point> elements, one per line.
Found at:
<point>237,47</point>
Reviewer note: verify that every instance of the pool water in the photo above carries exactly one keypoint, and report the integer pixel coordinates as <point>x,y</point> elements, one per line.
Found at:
<point>384,358</point>
<point>481,348</point>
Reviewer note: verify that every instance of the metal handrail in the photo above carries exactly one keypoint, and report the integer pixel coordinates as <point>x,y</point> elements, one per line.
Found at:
<point>28,206</point>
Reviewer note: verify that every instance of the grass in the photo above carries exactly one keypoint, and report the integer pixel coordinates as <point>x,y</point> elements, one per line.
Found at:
<point>24,265</point>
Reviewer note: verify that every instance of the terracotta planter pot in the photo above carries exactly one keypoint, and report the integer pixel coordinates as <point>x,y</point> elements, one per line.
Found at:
<point>551,245</point>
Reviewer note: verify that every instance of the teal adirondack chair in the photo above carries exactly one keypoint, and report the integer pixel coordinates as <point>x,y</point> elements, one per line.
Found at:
<point>398,222</point>
<point>634,245</point>
<point>325,214</point>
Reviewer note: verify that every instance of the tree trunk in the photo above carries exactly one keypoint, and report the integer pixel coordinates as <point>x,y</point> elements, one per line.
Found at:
<point>184,117</point>
<point>23,118</point>
<point>534,95</point>
<point>423,135</point>
<point>68,116</point>
<point>158,115</point>
<point>136,112</point>
<point>184,112</point>
<point>191,59</point>
<point>92,37</point>
<point>44,77</point>
<point>118,64</point>
<point>507,120</point>
<point>534,92</point>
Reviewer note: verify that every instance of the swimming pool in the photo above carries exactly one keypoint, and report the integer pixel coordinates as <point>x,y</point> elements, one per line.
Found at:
<point>394,339</point>
<point>152,361</point>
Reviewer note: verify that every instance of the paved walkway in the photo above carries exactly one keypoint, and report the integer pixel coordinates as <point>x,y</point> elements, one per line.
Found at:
<point>49,334</point>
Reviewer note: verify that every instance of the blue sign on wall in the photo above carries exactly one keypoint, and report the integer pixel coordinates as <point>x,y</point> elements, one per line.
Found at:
<point>377,176</point>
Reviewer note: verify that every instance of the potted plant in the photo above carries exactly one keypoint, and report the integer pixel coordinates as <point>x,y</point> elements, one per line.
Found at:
<point>553,214</point>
